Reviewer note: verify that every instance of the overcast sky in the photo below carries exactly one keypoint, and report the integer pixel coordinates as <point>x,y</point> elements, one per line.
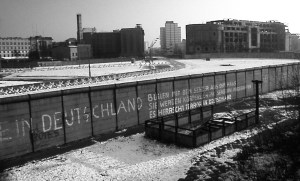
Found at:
<point>57,18</point>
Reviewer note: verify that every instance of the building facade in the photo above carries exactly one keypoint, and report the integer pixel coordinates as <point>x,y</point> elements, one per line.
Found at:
<point>105,44</point>
<point>127,42</point>
<point>170,38</point>
<point>66,53</point>
<point>132,42</point>
<point>40,47</point>
<point>292,42</point>
<point>235,36</point>
<point>14,47</point>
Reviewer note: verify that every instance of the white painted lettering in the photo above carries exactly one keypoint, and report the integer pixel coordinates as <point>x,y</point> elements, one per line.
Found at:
<point>57,118</point>
<point>105,110</point>
<point>94,112</point>
<point>46,118</point>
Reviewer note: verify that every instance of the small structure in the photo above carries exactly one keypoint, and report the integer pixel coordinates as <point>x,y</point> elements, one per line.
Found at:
<point>196,127</point>
<point>65,53</point>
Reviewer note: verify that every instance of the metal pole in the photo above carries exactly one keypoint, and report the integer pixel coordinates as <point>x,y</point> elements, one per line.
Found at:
<point>89,69</point>
<point>257,82</point>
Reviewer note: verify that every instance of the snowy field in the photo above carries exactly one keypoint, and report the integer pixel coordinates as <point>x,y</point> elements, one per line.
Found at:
<point>186,67</point>
<point>121,158</point>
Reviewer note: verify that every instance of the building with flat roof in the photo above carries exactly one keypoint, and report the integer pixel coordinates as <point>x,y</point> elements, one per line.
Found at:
<point>105,44</point>
<point>40,46</point>
<point>14,47</point>
<point>235,36</point>
<point>170,38</point>
<point>67,53</point>
<point>132,42</point>
<point>127,42</point>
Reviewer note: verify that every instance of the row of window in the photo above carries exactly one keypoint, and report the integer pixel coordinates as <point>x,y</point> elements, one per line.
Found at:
<point>13,48</point>
<point>15,43</point>
<point>8,55</point>
<point>236,28</point>
<point>13,51</point>
<point>231,34</point>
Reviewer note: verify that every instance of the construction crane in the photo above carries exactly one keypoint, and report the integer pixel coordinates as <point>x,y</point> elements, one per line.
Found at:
<point>150,47</point>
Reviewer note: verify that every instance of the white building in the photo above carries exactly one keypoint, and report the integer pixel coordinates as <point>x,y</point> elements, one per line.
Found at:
<point>14,47</point>
<point>170,38</point>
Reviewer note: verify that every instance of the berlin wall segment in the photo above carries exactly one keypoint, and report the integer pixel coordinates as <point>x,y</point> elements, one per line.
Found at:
<point>47,119</point>
<point>14,127</point>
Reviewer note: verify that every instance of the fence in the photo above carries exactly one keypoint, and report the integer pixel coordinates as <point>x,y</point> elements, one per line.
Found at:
<point>39,120</point>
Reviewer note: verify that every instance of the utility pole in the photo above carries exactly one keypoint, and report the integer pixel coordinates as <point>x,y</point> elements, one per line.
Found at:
<point>257,82</point>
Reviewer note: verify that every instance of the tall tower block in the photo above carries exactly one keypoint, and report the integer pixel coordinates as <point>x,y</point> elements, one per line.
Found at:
<point>79,29</point>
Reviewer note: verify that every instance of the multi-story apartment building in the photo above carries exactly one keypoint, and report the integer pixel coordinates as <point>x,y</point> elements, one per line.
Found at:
<point>235,36</point>
<point>170,38</point>
<point>14,47</point>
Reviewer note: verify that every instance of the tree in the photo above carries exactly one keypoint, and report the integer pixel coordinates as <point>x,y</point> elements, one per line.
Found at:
<point>291,93</point>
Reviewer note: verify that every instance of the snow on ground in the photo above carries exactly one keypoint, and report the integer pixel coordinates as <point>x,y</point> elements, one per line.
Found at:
<point>192,66</point>
<point>83,69</point>
<point>124,158</point>
<point>11,83</point>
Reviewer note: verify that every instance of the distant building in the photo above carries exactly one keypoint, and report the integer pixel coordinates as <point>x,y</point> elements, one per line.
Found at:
<point>84,51</point>
<point>40,46</point>
<point>65,50</point>
<point>170,38</point>
<point>127,42</point>
<point>235,36</point>
<point>14,47</point>
<point>292,42</point>
<point>105,44</point>
<point>65,53</point>
<point>132,42</point>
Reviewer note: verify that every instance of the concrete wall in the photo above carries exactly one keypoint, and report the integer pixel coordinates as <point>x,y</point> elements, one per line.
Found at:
<point>37,121</point>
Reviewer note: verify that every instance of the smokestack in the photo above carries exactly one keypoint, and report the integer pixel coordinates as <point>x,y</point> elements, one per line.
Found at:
<point>79,29</point>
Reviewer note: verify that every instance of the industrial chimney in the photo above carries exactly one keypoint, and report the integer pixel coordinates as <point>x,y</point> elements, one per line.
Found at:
<point>79,29</point>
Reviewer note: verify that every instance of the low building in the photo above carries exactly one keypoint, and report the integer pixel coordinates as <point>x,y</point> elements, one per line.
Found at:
<point>67,53</point>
